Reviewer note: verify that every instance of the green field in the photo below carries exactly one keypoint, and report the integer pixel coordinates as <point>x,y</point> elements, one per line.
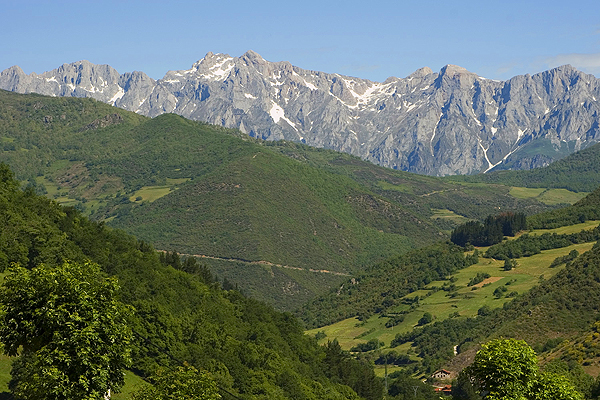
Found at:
<point>448,215</point>
<point>5,363</point>
<point>547,196</point>
<point>400,188</point>
<point>132,384</point>
<point>152,193</point>
<point>525,193</point>
<point>568,229</point>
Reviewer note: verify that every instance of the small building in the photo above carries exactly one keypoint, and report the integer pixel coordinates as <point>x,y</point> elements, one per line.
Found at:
<point>441,374</point>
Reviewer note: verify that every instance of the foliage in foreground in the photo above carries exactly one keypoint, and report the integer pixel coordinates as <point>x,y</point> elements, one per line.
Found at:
<point>68,329</point>
<point>507,369</point>
<point>248,348</point>
<point>183,383</point>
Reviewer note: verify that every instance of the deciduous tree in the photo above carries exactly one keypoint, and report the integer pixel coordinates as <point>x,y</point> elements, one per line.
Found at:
<point>507,369</point>
<point>68,329</point>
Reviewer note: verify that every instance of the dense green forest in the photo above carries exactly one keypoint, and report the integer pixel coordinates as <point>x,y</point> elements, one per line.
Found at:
<point>491,231</point>
<point>250,350</point>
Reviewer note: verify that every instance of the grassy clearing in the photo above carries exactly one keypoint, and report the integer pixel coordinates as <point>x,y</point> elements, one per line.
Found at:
<point>153,193</point>
<point>560,196</point>
<point>5,363</point>
<point>448,215</point>
<point>132,384</point>
<point>547,196</point>
<point>150,193</point>
<point>176,181</point>
<point>525,193</point>
<point>60,165</point>
<point>66,201</point>
<point>380,370</point>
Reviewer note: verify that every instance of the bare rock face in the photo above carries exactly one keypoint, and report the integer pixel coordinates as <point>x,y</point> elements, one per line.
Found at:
<point>451,122</point>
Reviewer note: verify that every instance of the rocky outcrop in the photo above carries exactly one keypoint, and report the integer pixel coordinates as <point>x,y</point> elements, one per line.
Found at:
<point>450,122</point>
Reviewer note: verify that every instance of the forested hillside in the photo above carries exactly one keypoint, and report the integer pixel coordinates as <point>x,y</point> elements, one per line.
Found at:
<point>579,172</point>
<point>282,220</point>
<point>445,300</point>
<point>287,223</point>
<point>250,350</point>
<point>385,284</point>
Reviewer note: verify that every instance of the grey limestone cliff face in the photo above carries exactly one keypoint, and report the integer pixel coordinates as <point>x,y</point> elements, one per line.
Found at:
<point>82,79</point>
<point>449,122</point>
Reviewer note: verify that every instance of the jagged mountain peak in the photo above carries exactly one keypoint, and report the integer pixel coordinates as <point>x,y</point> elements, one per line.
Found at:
<point>450,122</point>
<point>420,73</point>
<point>451,69</point>
<point>457,73</point>
<point>14,69</point>
<point>252,55</point>
<point>456,78</point>
<point>212,66</point>
<point>567,68</point>
<point>80,63</point>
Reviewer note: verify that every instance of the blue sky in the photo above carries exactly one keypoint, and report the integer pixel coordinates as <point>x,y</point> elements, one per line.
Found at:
<point>371,40</point>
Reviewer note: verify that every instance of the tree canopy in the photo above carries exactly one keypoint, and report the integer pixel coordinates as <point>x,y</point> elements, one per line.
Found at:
<point>68,329</point>
<point>183,383</point>
<point>507,369</point>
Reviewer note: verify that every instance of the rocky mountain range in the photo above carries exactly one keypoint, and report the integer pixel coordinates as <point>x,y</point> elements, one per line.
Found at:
<point>437,123</point>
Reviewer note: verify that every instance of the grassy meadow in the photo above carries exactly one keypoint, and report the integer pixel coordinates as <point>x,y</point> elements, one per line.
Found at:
<point>464,302</point>
<point>548,196</point>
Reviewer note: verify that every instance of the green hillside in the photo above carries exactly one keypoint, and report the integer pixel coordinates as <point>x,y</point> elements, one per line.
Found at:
<point>180,312</point>
<point>583,210</point>
<point>428,196</point>
<point>362,247</point>
<point>427,304</point>
<point>279,210</point>
<point>561,307</point>
<point>578,172</point>
<point>282,220</point>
